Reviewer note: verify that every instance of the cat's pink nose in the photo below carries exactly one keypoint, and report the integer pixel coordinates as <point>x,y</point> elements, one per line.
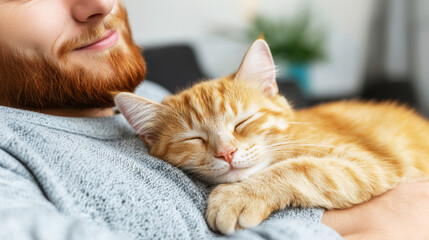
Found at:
<point>227,154</point>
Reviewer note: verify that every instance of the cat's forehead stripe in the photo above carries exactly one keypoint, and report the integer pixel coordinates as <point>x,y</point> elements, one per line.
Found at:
<point>217,104</point>
<point>203,103</point>
<point>194,110</point>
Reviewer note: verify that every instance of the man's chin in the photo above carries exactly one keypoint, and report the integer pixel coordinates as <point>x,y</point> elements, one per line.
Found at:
<point>99,67</point>
<point>40,83</point>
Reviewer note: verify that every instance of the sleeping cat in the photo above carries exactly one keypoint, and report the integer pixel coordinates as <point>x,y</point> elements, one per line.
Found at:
<point>239,131</point>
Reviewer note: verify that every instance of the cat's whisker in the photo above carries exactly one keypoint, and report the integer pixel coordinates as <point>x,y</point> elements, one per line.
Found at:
<point>295,143</point>
<point>299,150</point>
<point>291,137</point>
<point>304,146</point>
<point>328,147</point>
<point>256,155</point>
<point>303,143</point>
<point>302,123</point>
<point>293,151</point>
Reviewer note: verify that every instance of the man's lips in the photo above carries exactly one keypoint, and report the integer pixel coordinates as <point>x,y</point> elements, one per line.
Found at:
<point>109,39</point>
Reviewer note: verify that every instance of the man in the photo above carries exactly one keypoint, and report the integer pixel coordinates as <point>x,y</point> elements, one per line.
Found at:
<point>70,168</point>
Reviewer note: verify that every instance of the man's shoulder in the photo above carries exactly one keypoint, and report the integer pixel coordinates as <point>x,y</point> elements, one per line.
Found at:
<point>9,115</point>
<point>8,122</point>
<point>13,121</point>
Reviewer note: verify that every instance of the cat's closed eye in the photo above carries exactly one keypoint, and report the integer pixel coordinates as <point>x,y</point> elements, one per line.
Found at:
<point>242,124</point>
<point>195,139</point>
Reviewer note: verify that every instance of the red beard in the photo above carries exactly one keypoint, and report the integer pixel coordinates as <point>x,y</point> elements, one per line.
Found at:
<point>37,82</point>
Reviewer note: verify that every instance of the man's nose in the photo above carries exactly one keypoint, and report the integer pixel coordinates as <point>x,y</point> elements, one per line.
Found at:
<point>87,11</point>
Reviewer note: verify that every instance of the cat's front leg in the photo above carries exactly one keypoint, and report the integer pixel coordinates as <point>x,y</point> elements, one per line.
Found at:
<point>237,206</point>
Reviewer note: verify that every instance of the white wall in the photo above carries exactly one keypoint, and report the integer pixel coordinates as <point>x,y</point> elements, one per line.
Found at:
<point>171,20</point>
<point>422,55</point>
<point>397,45</point>
<point>193,21</point>
<point>198,21</point>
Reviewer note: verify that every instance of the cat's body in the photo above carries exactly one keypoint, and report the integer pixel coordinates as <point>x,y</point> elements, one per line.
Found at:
<point>238,130</point>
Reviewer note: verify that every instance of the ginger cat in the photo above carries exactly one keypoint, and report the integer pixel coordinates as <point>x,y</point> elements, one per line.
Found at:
<point>239,131</point>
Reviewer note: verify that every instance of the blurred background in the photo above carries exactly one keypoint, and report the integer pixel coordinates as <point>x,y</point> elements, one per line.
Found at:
<point>324,49</point>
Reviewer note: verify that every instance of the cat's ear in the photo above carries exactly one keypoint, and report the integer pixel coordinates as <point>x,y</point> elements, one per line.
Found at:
<point>258,65</point>
<point>141,114</point>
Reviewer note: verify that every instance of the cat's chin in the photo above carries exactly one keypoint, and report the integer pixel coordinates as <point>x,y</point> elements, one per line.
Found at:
<point>233,175</point>
<point>238,174</point>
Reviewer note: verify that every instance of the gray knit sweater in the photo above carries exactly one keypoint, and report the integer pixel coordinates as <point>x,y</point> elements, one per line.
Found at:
<point>91,178</point>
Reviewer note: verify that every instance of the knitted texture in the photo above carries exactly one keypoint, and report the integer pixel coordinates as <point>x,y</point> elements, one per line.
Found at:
<point>91,178</point>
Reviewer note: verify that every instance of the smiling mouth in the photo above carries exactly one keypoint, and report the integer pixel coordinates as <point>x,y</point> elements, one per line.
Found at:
<point>109,39</point>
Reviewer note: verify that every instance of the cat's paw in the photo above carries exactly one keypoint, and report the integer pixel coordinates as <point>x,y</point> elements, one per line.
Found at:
<point>233,206</point>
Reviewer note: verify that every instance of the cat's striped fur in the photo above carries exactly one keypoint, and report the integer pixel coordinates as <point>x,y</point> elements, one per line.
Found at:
<point>237,130</point>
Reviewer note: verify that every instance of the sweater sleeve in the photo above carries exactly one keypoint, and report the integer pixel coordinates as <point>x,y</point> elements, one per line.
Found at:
<point>25,213</point>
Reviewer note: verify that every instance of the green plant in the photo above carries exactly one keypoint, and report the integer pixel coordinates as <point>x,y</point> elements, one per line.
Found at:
<point>292,40</point>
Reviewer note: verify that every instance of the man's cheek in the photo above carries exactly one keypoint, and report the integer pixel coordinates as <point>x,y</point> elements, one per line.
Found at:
<point>34,27</point>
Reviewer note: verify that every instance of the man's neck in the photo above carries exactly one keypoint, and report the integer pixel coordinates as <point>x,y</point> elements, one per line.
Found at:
<point>74,112</point>
<point>91,112</point>
<point>71,112</point>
